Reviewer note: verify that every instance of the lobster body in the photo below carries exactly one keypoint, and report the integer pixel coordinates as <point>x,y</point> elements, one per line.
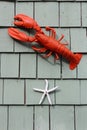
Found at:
<point>49,43</point>
<point>56,47</point>
<point>46,41</point>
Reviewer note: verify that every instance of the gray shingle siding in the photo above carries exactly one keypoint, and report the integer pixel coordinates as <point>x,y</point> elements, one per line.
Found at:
<point>22,69</point>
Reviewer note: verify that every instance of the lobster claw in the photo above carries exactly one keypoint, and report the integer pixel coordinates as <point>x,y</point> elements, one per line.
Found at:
<point>26,22</point>
<point>18,35</point>
<point>23,20</point>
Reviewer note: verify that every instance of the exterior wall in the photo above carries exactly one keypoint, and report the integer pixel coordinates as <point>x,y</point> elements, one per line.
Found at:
<point>22,69</point>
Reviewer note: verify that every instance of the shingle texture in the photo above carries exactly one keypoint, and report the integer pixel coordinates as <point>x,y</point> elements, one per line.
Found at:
<point>22,69</point>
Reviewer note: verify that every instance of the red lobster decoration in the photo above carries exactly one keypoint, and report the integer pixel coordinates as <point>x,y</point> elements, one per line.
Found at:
<point>49,43</point>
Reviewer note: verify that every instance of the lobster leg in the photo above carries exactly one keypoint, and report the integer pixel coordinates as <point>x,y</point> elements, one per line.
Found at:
<point>48,55</point>
<point>39,49</point>
<point>56,56</point>
<point>52,30</point>
<point>62,36</point>
<point>64,43</point>
<point>42,50</point>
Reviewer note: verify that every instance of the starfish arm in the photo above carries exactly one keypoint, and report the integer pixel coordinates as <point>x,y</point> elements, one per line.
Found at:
<point>49,99</point>
<point>53,89</point>
<point>46,87</point>
<point>38,90</point>
<point>42,98</point>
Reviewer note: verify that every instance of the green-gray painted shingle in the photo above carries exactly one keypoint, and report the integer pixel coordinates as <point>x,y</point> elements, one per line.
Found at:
<point>28,65</point>
<point>25,8</point>
<point>9,65</point>
<point>78,40</point>
<point>43,11</point>
<point>82,68</point>
<point>6,43</point>
<point>69,92</point>
<point>47,68</point>
<point>62,118</point>
<point>13,91</point>
<point>83,91</point>
<point>20,118</point>
<point>42,118</point>
<point>81,117</point>
<point>6,13</point>
<point>3,117</point>
<point>1,91</point>
<point>70,14</point>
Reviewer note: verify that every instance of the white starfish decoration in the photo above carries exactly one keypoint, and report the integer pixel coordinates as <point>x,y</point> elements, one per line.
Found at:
<point>45,92</point>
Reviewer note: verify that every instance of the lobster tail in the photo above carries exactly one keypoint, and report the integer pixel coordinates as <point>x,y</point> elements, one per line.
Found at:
<point>73,64</point>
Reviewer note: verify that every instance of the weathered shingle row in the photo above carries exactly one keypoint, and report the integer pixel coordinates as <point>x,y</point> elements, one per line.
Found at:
<point>15,91</point>
<point>51,0</point>
<point>63,14</point>
<point>59,117</point>
<point>33,66</point>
